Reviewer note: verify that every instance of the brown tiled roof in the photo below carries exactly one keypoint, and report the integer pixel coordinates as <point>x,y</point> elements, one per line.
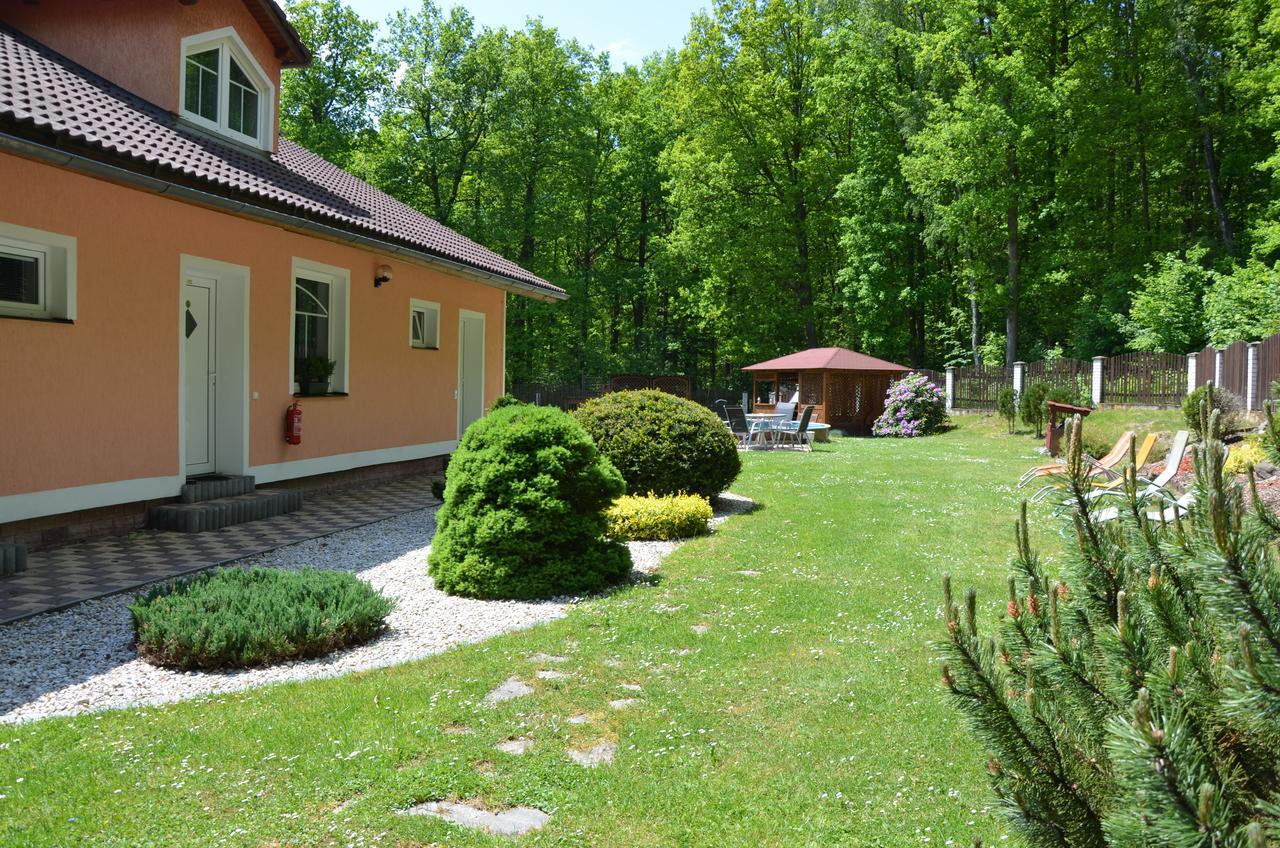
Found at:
<point>48,98</point>
<point>830,358</point>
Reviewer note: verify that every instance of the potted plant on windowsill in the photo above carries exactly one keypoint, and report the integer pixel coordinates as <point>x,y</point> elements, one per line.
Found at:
<point>313,375</point>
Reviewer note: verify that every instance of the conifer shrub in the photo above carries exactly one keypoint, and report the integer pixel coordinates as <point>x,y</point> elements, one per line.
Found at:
<point>913,406</point>
<point>1032,405</point>
<point>1007,407</point>
<point>1243,454</point>
<point>244,617</point>
<point>1134,697</point>
<point>1229,405</point>
<point>662,443</point>
<point>639,518</point>
<point>524,511</point>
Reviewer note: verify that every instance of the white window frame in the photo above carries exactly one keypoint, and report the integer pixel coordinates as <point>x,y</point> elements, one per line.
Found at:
<point>429,309</point>
<point>339,280</point>
<point>228,44</point>
<point>56,255</point>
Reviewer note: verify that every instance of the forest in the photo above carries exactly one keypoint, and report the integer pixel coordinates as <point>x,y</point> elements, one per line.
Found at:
<point>935,182</point>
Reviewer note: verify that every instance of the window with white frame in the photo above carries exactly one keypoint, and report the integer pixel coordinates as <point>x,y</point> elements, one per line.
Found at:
<point>225,90</point>
<point>424,324</point>
<point>37,273</point>
<point>320,296</point>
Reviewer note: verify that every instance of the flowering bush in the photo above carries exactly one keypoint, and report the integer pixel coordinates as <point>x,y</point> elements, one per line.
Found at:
<point>913,406</point>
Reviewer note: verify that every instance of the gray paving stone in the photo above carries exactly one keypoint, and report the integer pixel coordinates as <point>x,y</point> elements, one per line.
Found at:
<point>515,746</point>
<point>511,822</point>
<point>512,687</point>
<point>599,754</point>
<point>623,703</point>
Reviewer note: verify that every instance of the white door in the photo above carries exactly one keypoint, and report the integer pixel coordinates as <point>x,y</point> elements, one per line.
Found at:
<point>470,369</point>
<point>200,296</point>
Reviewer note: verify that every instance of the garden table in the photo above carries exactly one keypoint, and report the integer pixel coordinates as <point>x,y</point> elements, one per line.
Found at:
<point>769,422</point>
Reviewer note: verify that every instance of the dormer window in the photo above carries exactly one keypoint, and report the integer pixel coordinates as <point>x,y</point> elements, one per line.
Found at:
<point>225,90</point>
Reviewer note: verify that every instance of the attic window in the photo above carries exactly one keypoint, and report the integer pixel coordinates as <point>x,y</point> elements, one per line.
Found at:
<point>224,89</point>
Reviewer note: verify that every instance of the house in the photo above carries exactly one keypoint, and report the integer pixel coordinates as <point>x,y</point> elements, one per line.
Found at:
<point>168,264</point>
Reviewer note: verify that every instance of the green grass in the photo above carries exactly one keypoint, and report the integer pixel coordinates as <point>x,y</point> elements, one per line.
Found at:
<point>809,714</point>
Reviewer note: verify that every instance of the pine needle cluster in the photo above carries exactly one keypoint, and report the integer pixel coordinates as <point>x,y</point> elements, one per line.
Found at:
<point>1134,698</point>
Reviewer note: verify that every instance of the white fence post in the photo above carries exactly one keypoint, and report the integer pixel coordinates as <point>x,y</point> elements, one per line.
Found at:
<point>1019,377</point>
<point>1096,395</point>
<point>951,388</point>
<point>1251,377</point>
<point>1191,371</point>
<point>1217,367</point>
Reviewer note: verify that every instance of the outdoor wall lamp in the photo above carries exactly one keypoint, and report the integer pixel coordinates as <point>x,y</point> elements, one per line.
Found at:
<point>381,274</point>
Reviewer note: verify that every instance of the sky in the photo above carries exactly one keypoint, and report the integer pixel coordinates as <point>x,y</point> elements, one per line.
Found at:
<point>628,30</point>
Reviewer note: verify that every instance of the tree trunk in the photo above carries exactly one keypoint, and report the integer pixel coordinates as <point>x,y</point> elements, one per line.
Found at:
<point>1206,136</point>
<point>1011,307</point>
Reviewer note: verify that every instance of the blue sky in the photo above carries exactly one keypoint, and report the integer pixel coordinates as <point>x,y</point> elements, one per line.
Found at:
<point>628,30</point>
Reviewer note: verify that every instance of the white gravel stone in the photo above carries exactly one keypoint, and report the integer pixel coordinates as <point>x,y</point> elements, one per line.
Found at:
<point>81,659</point>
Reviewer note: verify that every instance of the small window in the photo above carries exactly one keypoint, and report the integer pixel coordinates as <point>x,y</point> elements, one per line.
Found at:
<point>201,91</point>
<point>243,114</point>
<point>224,89</point>
<point>424,325</point>
<point>37,273</point>
<point>320,309</point>
<point>765,392</point>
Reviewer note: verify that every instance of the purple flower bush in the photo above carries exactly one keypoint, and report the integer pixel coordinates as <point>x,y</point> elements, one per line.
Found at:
<point>913,406</point>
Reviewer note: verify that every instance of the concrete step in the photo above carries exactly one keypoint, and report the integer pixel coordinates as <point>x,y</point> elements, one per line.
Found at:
<point>211,488</point>
<point>13,559</point>
<point>223,512</point>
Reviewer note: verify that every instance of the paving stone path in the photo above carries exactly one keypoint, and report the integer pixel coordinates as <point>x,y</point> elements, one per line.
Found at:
<point>597,755</point>
<point>512,687</point>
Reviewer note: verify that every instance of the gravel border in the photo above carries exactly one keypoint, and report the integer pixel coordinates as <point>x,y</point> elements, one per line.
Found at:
<point>81,660</point>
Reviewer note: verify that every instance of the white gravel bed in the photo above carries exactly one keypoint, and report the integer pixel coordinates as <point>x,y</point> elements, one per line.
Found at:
<point>81,659</point>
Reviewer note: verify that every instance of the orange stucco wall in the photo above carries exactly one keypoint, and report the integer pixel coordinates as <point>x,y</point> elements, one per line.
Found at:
<point>97,401</point>
<point>137,43</point>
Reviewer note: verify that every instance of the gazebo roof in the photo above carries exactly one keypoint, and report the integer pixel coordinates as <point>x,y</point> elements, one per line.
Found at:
<point>826,358</point>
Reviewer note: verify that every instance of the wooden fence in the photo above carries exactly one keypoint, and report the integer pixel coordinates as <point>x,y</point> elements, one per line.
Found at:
<point>1234,358</point>
<point>977,388</point>
<point>1074,375</point>
<point>1268,365</point>
<point>1145,379</point>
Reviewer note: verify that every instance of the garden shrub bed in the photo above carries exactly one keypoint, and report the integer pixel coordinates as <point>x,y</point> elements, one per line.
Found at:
<point>637,518</point>
<point>247,617</point>
<point>661,443</point>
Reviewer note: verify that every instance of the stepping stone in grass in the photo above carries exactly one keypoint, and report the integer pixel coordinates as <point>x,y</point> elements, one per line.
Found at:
<point>632,687</point>
<point>456,729</point>
<point>551,674</point>
<point>547,658</point>
<point>512,687</point>
<point>623,703</point>
<point>512,822</point>
<point>700,628</point>
<point>598,755</point>
<point>746,572</point>
<point>515,746</point>
<point>580,718</point>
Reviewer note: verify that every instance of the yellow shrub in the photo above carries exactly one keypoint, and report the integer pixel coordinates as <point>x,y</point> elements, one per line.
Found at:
<point>1242,454</point>
<point>651,517</point>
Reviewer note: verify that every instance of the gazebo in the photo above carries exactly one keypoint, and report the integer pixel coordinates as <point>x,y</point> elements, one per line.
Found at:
<point>846,388</point>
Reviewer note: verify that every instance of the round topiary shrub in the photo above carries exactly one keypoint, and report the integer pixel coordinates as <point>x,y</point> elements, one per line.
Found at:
<point>662,443</point>
<point>913,406</point>
<point>244,617</point>
<point>523,513</point>
<point>639,518</point>
<point>1230,407</point>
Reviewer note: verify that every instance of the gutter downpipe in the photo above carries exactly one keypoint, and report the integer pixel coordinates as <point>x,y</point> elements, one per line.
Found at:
<point>155,185</point>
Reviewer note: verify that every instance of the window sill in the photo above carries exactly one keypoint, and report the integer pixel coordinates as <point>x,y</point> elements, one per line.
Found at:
<point>43,319</point>
<point>423,347</point>
<point>325,395</point>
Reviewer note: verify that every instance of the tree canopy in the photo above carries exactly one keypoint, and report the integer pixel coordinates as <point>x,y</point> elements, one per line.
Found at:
<point>932,181</point>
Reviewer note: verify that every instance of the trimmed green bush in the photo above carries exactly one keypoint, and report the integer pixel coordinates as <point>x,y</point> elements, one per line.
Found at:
<point>1230,408</point>
<point>524,511</point>
<point>662,443</point>
<point>244,617</point>
<point>1007,406</point>
<point>641,518</point>
<point>1032,405</point>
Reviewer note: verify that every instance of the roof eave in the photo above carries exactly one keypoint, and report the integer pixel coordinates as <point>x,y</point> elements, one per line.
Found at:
<point>156,185</point>
<point>290,49</point>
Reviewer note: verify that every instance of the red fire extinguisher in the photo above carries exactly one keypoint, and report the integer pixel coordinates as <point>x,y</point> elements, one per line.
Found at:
<point>293,424</point>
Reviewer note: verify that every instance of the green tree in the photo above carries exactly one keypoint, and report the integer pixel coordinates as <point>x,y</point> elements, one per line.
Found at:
<point>1167,313</point>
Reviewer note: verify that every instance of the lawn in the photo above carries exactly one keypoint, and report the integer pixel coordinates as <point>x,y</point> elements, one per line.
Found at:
<point>809,712</point>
